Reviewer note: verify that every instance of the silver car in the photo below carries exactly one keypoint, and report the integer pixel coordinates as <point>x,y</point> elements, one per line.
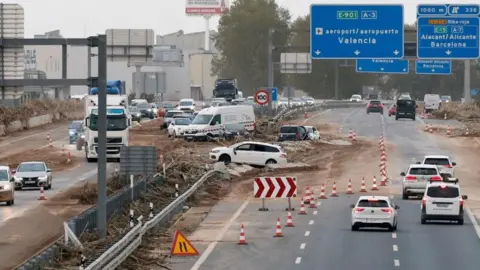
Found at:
<point>416,179</point>
<point>32,174</point>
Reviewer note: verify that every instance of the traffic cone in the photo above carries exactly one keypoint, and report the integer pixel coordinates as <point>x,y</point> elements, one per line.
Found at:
<point>384,181</point>
<point>312,203</point>
<point>278,230</point>
<point>374,184</point>
<point>322,193</point>
<point>349,188</point>
<point>354,136</point>
<point>69,158</point>
<point>334,190</point>
<point>42,194</point>
<point>241,240</point>
<point>350,134</point>
<point>430,130</point>
<point>363,188</point>
<point>383,157</point>
<point>382,147</point>
<point>307,195</point>
<point>302,211</point>
<point>422,115</point>
<point>449,132</point>
<point>305,115</point>
<point>289,220</point>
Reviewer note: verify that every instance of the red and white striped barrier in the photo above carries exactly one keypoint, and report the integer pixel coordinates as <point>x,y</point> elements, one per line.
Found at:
<point>274,187</point>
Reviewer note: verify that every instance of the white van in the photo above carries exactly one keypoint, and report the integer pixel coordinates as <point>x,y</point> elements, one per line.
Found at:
<point>210,121</point>
<point>186,104</point>
<point>431,102</point>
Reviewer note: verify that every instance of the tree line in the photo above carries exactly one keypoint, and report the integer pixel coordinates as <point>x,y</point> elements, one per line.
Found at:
<point>242,42</point>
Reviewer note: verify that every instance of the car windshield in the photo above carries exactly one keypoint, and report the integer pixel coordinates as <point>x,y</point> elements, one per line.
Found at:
<point>309,129</point>
<point>143,106</point>
<point>373,203</point>
<point>31,167</point>
<point>4,175</point>
<point>76,125</point>
<point>376,102</point>
<point>288,130</point>
<point>182,121</point>
<point>437,161</point>
<point>356,96</point>
<point>186,103</point>
<point>171,114</point>
<point>169,105</point>
<point>153,105</point>
<point>133,109</point>
<point>443,192</point>
<point>423,171</point>
<point>445,97</point>
<point>202,119</point>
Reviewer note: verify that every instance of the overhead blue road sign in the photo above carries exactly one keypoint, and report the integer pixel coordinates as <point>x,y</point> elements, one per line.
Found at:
<point>429,10</point>
<point>448,10</point>
<point>382,66</point>
<point>356,31</point>
<point>448,37</point>
<point>433,67</point>
<point>274,94</point>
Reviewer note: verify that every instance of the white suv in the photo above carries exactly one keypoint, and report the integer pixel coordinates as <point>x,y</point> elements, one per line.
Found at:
<point>443,201</point>
<point>416,179</point>
<point>445,166</point>
<point>374,211</point>
<point>253,153</point>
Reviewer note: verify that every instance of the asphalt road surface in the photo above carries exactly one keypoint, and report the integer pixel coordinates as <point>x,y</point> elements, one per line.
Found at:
<point>323,239</point>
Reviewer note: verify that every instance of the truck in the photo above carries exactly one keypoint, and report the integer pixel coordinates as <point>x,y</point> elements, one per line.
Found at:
<point>227,89</point>
<point>118,122</point>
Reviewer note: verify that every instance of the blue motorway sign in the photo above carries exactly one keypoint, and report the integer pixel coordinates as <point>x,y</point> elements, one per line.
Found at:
<point>274,94</point>
<point>356,31</point>
<point>382,66</point>
<point>448,31</point>
<point>433,67</point>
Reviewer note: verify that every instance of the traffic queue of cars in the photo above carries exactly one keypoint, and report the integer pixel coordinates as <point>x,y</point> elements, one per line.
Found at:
<point>433,179</point>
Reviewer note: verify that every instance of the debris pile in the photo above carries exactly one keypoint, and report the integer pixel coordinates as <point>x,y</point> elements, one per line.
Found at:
<point>457,111</point>
<point>55,158</point>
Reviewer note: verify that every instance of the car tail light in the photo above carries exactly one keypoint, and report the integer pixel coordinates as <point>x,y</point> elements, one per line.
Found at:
<point>358,210</point>
<point>387,210</point>
<point>283,155</point>
<point>449,166</point>
<point>436,178</point>
<point>370,105</point>
<point>380,106</point>
<point>424,202</point>
<point>410,177</point>
<point>461,202</point>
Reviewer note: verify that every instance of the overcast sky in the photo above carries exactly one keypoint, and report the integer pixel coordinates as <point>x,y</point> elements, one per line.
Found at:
<point>77,18</point>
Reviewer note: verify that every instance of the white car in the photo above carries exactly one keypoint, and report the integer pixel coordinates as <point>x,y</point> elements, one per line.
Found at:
<point>312,132</point>
<point>356,98</point>
<point>443,201</point>
<point>416,179</point>
<point>374,211</point>
<point>177,126</point>
<point>444,164</point>
<point>252,153</point>
<point>7,185</point>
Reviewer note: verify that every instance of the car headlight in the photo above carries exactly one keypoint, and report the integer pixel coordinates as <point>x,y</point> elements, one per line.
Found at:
<point>149,110</point>
<point>215,151</point>
<point>43,177</point>
<point>71,132</point>
<point>83,136</point>
<point>17,178</point>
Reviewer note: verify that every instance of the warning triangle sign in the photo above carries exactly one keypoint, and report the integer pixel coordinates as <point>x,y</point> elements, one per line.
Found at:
<point>182,247</point>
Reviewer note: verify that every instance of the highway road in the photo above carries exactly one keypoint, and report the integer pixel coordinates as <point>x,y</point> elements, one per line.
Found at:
<point>323,238</point>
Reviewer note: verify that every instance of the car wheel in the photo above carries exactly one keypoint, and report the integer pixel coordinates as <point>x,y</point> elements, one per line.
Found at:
<point>50,185</point>
<point>423,220</point>
<point>404,196</point>
<point>12,201</point>
<point>9,203</point>
<point>355,228</point>
<point>18,188</point>
<point>460,221</point>
<point>174,134</point>
<point>169,135</point>
<point>270,161</point>
<point>396,118</point>
<point>395,227</point>
<point>225,159</point>
<point>390,228</point>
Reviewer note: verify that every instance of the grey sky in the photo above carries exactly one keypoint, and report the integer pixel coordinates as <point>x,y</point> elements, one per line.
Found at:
<point>77,18</point>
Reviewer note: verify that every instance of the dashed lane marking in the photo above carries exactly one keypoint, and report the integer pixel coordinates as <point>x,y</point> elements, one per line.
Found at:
<point>298,260</point>
<point>307,233</point>
<point>396,263</point>
<point>311,222</point>
<point>394,235</point>
<point>315,212</point>
<point>302,246</point>
<point>395,248</point>
<point>474,222</point>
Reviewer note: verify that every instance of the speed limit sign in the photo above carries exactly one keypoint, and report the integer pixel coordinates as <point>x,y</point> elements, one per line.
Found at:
<point>262,97</point>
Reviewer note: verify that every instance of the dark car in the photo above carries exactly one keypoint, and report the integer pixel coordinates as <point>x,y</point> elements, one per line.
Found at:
<point>135,113</point>
<point>75,131</point>
<point>292,133</point>
<point>232,131</point>
<point>406,109</point>
<point>374,106</point>
<point>145,110</point>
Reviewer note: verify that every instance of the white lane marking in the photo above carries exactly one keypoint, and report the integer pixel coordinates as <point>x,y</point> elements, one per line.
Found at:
<point>224,230</point>
<point>298,260</point>
<point>396,263</point>
<point>394,235</point>
<point>311,222</point>
<point>302,246</point>
<point>315,212</point>
<point>474,222</point>
<point>395,248</point>
<point>307,233</point>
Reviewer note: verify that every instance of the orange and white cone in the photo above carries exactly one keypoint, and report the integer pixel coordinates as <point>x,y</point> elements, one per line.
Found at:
<point>349,188</point>
<point>241,239</point>
<point>363,187</point>
<point>384,181</point>
<point>354,136</point>
<point>334,190</point>
<point>350,134</point>
<point>374,184</point>
<point>308,196</point>
<point>312,203</point>
<point>69,158</point>
<point>430,129</point>
<point>383,157</point>
<point>42,194</point>
<point>382,147</point>
<point>278,230</point>
<point>322,193</point>
<point>302,211</point>
<point>449,132</point>
<point>289,220</point>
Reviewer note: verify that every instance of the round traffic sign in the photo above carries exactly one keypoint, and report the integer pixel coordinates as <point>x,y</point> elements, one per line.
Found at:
<point>262,97</point>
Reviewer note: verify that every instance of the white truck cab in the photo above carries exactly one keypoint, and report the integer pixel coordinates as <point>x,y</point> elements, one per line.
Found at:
<point>118,124</point>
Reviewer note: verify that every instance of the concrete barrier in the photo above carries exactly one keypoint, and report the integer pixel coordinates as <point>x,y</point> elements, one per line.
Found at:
<point>38,121</point>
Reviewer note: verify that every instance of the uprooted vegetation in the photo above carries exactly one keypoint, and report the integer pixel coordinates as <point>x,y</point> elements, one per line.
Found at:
<point>460,112</point>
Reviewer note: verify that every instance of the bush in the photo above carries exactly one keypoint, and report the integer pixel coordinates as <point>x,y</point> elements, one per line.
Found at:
<point>462,112</point>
